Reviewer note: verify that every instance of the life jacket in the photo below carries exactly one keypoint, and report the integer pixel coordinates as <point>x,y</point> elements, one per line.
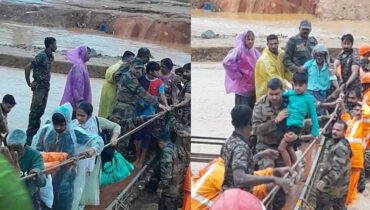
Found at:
<point>208,184</point>
<point>206,189</point>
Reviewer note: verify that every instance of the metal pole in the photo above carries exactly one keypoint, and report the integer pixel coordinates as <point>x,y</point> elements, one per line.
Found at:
<point>71,160</point>
<point>276,188</point>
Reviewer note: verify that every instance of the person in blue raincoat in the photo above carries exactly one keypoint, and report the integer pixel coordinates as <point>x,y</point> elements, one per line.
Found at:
<point>64,136</point>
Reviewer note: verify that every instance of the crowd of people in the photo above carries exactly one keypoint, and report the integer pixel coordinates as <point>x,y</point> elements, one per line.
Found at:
<point>135,90</point>
<point>283,99</point>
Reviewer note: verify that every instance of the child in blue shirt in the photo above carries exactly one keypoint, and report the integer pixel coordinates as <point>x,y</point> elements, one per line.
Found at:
<point>301,102</point>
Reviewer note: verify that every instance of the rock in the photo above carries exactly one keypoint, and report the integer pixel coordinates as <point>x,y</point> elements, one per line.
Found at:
<point>209,34</point>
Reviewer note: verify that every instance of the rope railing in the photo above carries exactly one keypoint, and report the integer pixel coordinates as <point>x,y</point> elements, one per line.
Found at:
<point>83,156</point>
<point>268,199</point>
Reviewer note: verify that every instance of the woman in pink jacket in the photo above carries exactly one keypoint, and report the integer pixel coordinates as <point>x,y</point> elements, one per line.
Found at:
<point>239,66</point>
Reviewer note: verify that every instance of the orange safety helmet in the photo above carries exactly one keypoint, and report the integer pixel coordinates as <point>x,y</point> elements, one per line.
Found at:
<point>363,49</point>
<point>365,78</point>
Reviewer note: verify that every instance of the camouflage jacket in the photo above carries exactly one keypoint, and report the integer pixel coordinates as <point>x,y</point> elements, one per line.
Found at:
<point>41,66</point>
<point>347,60</point>
<point>172,171</point>
<point>298,51</point>
<point>263,123</point>
<point>129,91</point>
<point>237,154</point>
<point>183,113</point>
<point>335,166</point>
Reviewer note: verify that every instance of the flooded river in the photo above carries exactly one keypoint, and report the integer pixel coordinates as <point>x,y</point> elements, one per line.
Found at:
<point>14,83</point>
<point>16,34</point>
<point>227,25</point>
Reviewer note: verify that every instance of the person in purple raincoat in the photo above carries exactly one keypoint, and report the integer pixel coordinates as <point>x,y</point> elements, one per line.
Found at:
<point>239,66</point>
<point>77,87</point>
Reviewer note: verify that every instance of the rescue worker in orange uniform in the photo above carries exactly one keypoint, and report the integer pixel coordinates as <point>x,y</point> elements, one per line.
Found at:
<point>208,183</point>
<point>358,132</point>
<point>364,52</point>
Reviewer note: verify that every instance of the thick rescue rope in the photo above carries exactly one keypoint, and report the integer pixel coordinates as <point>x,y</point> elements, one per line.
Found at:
<point>268,199</point>
<point>83,156</point>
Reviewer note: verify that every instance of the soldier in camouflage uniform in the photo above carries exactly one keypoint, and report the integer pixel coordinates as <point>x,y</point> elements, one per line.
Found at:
<point>349,62</point>
<point>129,91</point>
<point>172,174</point>
<point>144,54</point>
<point>238,157</point>
<point>267,122</point>
<point>331,186</point>
<point>40,86</point>
<point>183,107</point>
<point>299,48</point>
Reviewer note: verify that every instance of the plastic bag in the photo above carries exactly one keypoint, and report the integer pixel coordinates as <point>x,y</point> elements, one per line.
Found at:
<point>46,193</point>
<point>116,170</point>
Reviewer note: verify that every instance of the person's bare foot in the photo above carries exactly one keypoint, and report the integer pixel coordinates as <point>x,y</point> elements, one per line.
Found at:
<point>139,165</point>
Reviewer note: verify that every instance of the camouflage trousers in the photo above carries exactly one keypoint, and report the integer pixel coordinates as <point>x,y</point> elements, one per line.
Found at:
<point>168,203</point>
<point>38,105</point>
<point>126,113</point>
<point>279,199</point>
<point>324,201</point>
<point>268,163</point>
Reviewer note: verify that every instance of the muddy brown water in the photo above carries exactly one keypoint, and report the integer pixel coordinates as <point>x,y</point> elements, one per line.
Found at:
<point>17,34</point>
<point>14,83</point>
<point>227,25</point>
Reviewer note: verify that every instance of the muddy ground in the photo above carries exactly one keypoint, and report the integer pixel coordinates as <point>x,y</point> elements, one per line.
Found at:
<point>161,21</point>
<point>228,25</point>
<point>324,9</point>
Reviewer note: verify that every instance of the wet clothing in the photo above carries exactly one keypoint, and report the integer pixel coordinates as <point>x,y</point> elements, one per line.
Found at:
<point>358,136</point>
<point>172,172</point>
<point>168,203</point>
<point>155,88</point>
<point>38,105</point>
<point>128,92</point>
<point>41,66</point>
<point>270,66</point>
<point>88,194</point>
<point>334,169</point>
<point>170,87</point>
<point>318,80</point>
<point>77,88</point>
<point>208,184</point>
<point>299,106</point>
<point>32,159</point>
<point>73,140</point>
<point>298,52</point>
<point>263,123</point>
<point>347,60</point>
<point>236,154</point>
<point>108,92</point>
<point>240,60</point>
<point>13,194</point>
<point>183,114</point>
<point>3,124</point>
<point>40,86</point>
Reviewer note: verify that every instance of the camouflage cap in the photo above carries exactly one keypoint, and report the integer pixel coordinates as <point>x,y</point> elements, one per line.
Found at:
<point>143,51</point>
<point>306,24</point>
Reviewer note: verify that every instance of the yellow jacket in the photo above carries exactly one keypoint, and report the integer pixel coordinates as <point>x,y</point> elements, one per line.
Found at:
<point>270,66</point>
<point>208,184</point>
<point>358,135</point>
